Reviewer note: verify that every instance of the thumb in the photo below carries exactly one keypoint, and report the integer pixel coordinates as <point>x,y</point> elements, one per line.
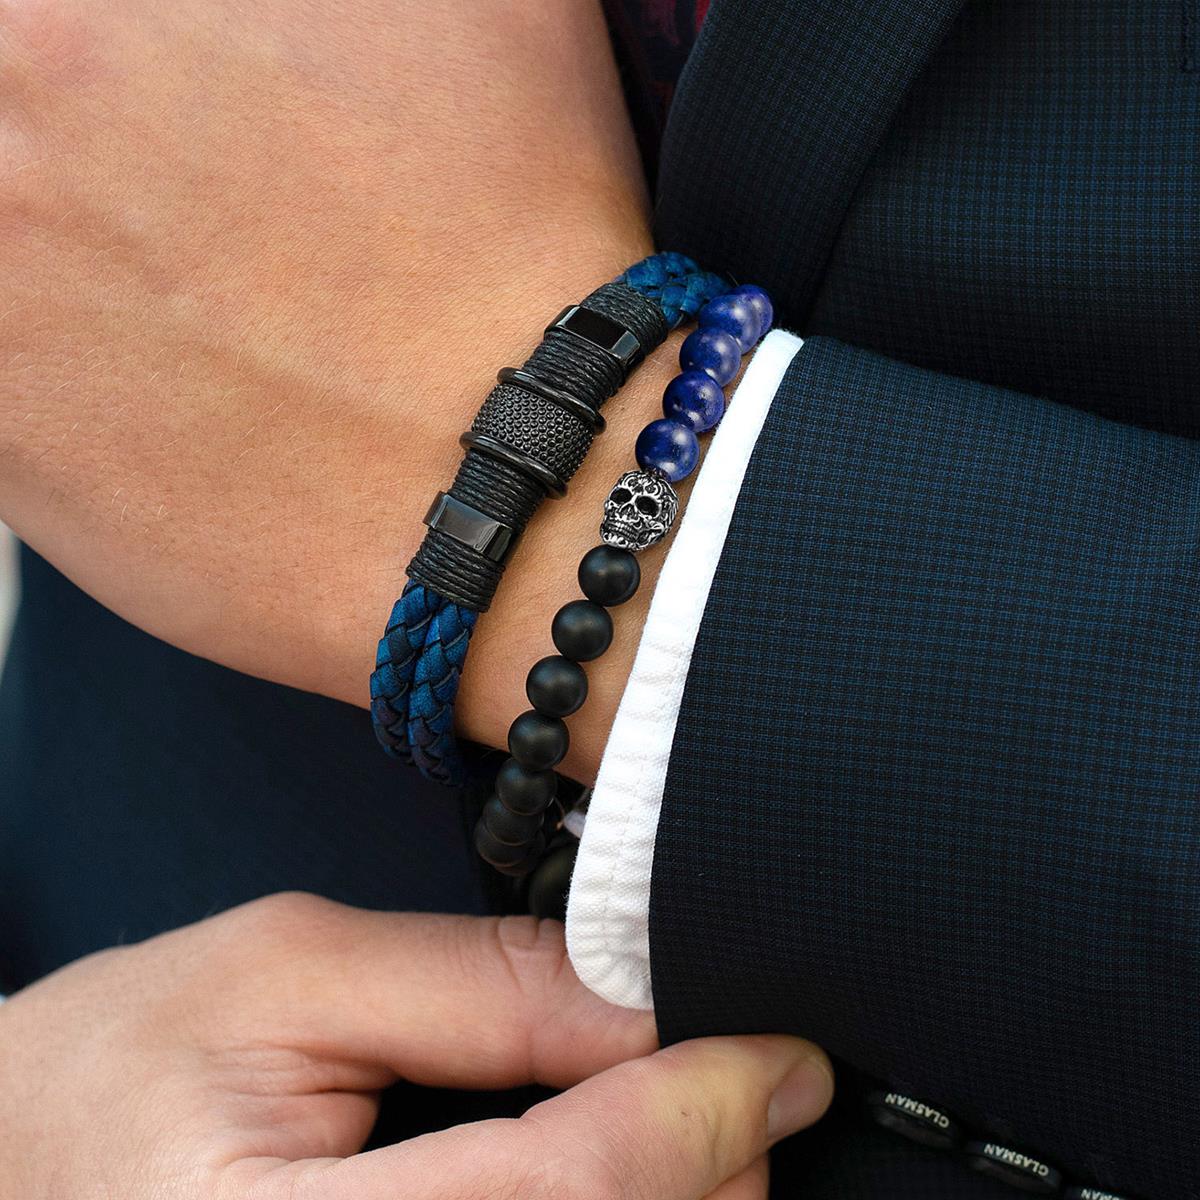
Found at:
<point>670,1126</point>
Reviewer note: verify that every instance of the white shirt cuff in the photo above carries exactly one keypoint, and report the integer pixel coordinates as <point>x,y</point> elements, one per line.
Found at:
<point>608,910</point>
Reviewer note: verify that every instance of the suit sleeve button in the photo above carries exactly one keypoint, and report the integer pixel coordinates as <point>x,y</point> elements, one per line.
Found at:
<point>914,1119</point>
<point>1014,1168</point>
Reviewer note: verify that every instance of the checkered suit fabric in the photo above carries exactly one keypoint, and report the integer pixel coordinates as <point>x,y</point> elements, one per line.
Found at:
<point>934,799</point>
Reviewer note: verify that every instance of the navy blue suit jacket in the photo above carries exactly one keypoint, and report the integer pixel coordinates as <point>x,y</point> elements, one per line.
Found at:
<point>955,629</point>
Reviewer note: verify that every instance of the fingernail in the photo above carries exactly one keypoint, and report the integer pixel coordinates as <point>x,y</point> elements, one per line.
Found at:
<point>801,1098</point>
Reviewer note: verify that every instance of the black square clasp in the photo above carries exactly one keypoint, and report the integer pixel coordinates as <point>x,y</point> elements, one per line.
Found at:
<point>602,332</point>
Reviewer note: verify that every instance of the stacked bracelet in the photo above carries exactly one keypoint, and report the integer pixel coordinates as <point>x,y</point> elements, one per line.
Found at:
<point>526,442</point>
<point>514,829</point>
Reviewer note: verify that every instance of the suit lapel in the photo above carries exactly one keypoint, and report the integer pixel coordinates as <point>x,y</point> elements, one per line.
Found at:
<point>778,112</point>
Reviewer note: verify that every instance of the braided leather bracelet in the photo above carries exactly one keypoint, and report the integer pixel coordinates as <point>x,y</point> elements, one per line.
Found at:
<point>528,439</point>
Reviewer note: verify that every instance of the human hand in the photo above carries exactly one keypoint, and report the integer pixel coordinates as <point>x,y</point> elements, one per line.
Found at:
<point>241,1059</point>
<point>258,266</point>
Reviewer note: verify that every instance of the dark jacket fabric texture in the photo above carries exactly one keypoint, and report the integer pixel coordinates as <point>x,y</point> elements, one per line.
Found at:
<point>934,796</point>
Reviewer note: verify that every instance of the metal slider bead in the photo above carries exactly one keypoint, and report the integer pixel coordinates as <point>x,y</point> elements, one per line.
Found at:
<point>526,463</point>
<point>601,331</point>
<point>466,524</point>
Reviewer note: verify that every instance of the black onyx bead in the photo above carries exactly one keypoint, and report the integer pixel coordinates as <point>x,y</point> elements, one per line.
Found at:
<point>609,576</point>
<point>528,863</point>
<point>538,742</point>
<point>525,792</point>
<point>1018,1170</point>
<point>500,854</point>
<point>914,1119</point>
<point>582,630</point>
<point>548,887</point>
<point>556,686</point>
<point>514,829</point>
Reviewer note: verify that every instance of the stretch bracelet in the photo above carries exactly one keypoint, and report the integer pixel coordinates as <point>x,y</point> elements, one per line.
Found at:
<point>518,831</point>
<point>527,440</point>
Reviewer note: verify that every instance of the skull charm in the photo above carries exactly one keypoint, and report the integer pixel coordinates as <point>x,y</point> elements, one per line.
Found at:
<point>639,511</point>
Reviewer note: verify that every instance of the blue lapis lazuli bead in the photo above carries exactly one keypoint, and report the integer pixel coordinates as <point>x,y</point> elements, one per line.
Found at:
<point>669,448</point>
<point>694,399</point>
<point>712,351</point>
<point>758,300</point>
<point>734,315</point>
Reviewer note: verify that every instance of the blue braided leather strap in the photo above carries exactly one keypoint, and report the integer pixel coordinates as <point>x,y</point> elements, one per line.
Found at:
<point>421,654</point>
<point>676,283</point>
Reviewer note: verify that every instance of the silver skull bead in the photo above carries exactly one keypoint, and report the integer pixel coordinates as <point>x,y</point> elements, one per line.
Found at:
<point>639,511</point>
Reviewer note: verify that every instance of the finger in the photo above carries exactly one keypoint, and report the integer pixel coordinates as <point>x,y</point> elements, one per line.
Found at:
<point>464,1002</point>
<point>672,1126</point>
<point>754,1183</point>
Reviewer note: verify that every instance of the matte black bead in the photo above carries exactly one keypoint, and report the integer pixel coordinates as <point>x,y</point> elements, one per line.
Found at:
<point>556,686</point>
<point>914,1119</point>
<point>582,630</point>
<point>551,879</point>
<point>1014,1168</point>
<point>526,864</point>
<point>609,576</point>
<point>514,829</point>
<point>492,850</point>
<point>525,792</point>
<point>538,742</point>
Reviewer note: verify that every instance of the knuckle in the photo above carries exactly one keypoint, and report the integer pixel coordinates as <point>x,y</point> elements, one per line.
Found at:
<point>579,1177</point>
<point>284,919</point>
<point>533,950</point>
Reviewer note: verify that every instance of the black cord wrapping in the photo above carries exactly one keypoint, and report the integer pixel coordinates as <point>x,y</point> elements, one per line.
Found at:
<point>532,427</point>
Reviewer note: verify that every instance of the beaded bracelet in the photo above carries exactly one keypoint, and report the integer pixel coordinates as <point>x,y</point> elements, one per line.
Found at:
<point>528,439</point>
<point>514,829</point>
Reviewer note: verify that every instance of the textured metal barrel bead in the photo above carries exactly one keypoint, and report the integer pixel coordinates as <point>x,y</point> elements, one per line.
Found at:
<point>1017,1169</point>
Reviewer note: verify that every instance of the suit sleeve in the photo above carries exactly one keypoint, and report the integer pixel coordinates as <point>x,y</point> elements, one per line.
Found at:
<point>933,796</point>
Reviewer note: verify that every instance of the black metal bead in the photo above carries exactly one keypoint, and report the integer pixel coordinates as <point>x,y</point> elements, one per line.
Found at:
<point>492,850</point>
<point>556,686</point>
<point>513,829</point>
<point>582,630</point>
<point>525,792</point>
<point>538,742</point>
<point>551,879</point>
<point>609,576</point>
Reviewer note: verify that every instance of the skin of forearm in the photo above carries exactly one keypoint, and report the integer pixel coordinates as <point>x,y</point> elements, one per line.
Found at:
<point>242,326</point>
